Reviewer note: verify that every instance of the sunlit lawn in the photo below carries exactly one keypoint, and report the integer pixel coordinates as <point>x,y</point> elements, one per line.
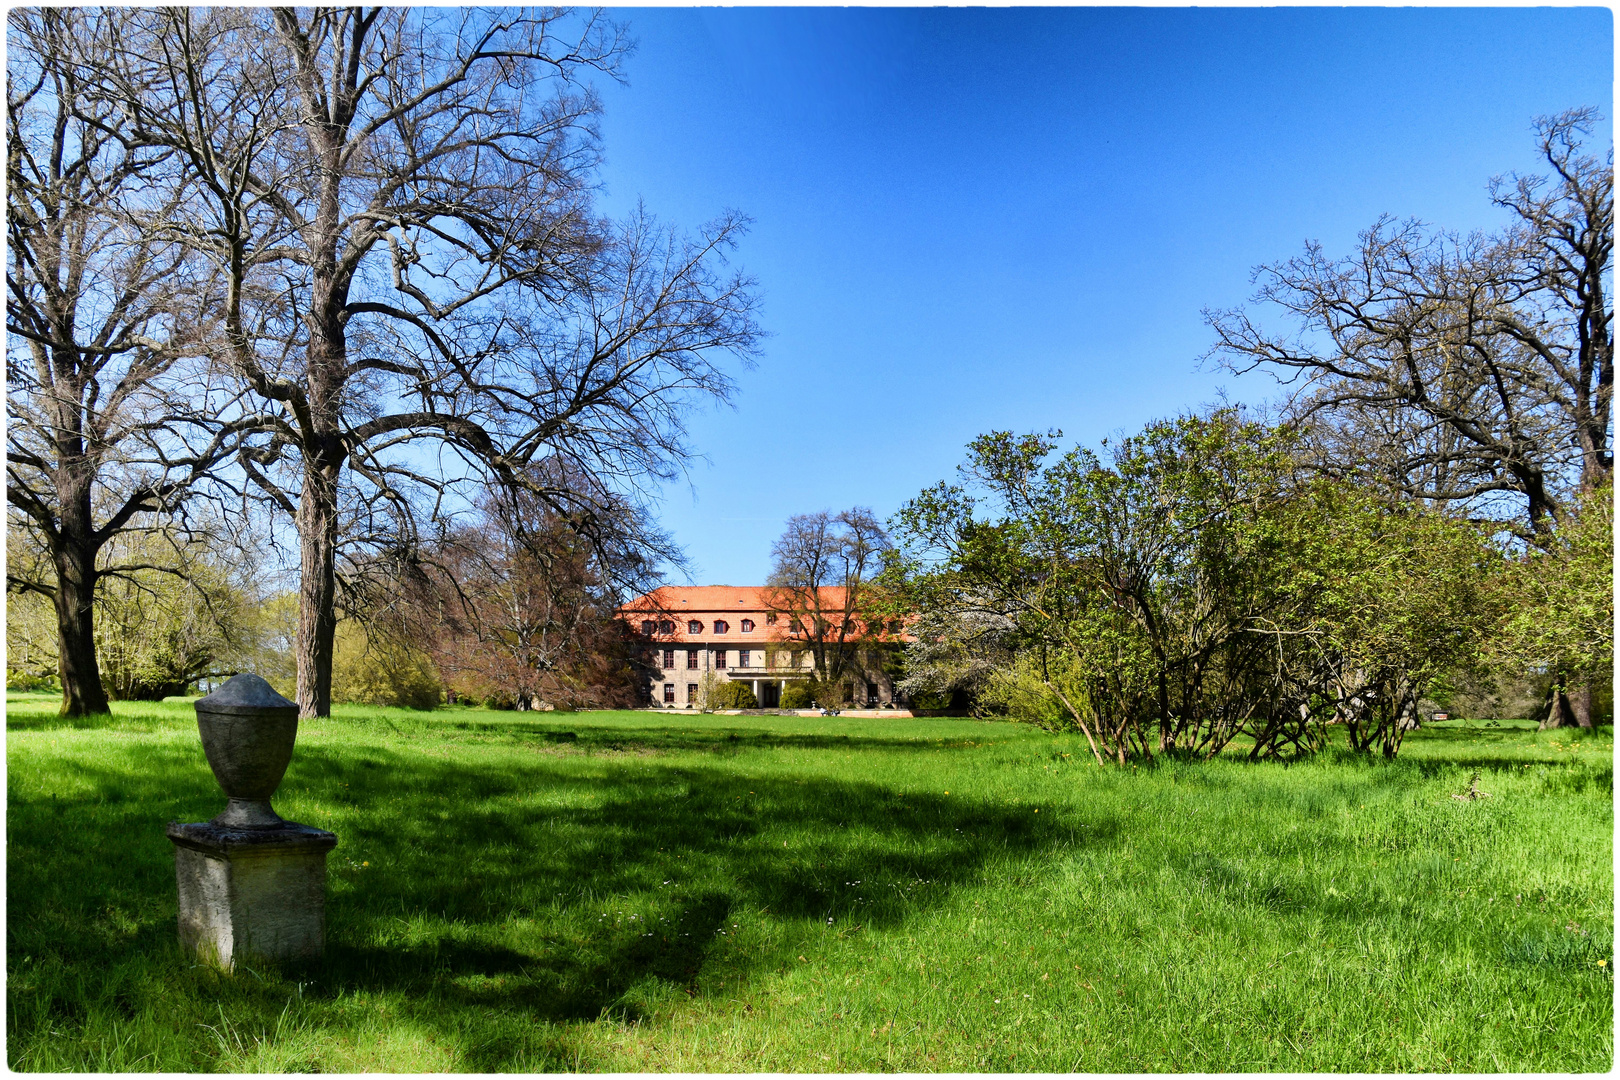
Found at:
<point>635,891</point>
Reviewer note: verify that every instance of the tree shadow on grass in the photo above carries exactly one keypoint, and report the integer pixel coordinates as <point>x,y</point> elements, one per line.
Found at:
<point>50,720</point>
<point>677,739</point>
<point>474,894</point>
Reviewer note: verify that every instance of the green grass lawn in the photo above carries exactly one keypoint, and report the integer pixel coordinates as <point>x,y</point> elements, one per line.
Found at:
<point>637,891</point>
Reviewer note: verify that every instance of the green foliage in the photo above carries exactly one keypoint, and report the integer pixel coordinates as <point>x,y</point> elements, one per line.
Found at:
<point>1396,599</point>
<point>380,670</point>
<point>797,695</point>
<point>1560,598</point>
<point>729,694</point>
<point>29,682</point>
<point>272,642</point>
<point>530,892</point>
<point>1191,589</point>
<point>1023,691</point>
<point>31,630</point>
<point>167,614</point>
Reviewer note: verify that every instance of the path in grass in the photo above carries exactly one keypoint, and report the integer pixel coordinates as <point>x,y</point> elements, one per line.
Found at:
<point>710,893</point>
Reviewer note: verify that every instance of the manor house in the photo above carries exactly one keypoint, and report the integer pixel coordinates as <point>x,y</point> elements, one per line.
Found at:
<point>736,633</point>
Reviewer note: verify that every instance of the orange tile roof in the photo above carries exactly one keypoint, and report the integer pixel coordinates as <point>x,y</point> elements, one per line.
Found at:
<point>740,601</point>
<point>679,598</point>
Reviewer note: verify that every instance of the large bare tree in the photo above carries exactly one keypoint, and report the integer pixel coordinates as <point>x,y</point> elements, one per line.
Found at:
<point>822,572</point>
<point>399,200</point>
<point>1471,369</point>
<point>517,605</point>
<point>110,424</point>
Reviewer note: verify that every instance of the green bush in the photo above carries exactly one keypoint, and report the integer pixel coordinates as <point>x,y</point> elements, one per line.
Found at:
<point>732,695</point>
<point>30,682</point>
<point>382,671</point>
<point>797,695</point>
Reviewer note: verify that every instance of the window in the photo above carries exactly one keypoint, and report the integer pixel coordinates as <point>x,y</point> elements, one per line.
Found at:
<point>694,627</point>
<point>669,693</point>
<point>669,658</point>
<point>770,618</point>
<point>721,626</point>
<point>691,659</point>
<point>748,626</point>
<point>794,628</point>
<point>691,693</point>
<point>666,627</point>
<point>720,658</point>
<point>743,657</point>
<point>648,626</point>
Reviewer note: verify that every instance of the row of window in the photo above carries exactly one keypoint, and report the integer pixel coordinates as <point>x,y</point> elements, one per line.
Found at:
<point>745,658</point>
<point>721,626</point>
<point>695,626</point>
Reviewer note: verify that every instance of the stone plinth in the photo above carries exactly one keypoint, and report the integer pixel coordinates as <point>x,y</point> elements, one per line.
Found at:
<point>253,892</point>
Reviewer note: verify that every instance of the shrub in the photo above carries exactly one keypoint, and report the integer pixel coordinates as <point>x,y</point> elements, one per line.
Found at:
<point>797,695</point>
<point>30,682</point>
<point>732,695</point>
<point>381,671</point>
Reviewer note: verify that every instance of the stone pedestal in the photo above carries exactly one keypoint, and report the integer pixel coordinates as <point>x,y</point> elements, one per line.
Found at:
<point>251,892</point>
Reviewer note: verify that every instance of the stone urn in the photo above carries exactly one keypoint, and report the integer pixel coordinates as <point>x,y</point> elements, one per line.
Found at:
<point>247,732</point>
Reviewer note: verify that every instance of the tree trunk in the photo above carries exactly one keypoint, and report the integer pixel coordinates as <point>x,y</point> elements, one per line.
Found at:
<point>1580,701</point>
<point>82,692</point>
<point>317,590</point>
<point>1559,711</point>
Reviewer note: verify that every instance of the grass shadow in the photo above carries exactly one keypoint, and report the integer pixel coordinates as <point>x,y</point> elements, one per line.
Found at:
<point>501,889</point>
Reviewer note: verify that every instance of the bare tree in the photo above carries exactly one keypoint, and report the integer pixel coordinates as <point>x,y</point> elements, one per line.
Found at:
<point>109,427</point>
<point>520,606</point>
<point>1469,368</point>
<point>822,582</point>
<point>400,202</point>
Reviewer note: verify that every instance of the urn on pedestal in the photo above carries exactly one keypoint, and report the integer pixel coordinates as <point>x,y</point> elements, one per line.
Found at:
<point>248,731</point>
<point>250,883</point>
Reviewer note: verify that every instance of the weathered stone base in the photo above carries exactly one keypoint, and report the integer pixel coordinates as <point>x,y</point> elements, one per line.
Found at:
<point>251,892</point>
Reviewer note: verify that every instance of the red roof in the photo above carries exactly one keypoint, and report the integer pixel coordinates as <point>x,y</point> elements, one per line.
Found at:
<point>740,598</point>
<point>736,602</point>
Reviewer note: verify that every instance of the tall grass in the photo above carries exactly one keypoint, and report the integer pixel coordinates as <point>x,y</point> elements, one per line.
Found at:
<point>627,892</point>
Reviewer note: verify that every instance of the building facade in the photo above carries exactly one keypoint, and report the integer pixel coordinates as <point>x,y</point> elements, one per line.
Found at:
<point>731,632</point>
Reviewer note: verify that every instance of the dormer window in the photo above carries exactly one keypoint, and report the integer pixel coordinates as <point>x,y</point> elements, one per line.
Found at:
<point>748,626</point>
<point>794,628</point>
<point>770,618</point>
<point>721,626</point>
<point>648,626</point>
<point>694,627</point>
<point>666,627</point>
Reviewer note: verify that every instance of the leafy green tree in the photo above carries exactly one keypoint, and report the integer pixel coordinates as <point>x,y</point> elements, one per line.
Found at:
<point>372,668</point>
<point>170,614</point>
<point>1559,601</point>
<point>1193,588</point>
<point>1394,601</point>
<point>1135,580</point>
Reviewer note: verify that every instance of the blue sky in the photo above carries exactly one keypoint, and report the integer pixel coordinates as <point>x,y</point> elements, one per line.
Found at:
<point>977,219</point>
